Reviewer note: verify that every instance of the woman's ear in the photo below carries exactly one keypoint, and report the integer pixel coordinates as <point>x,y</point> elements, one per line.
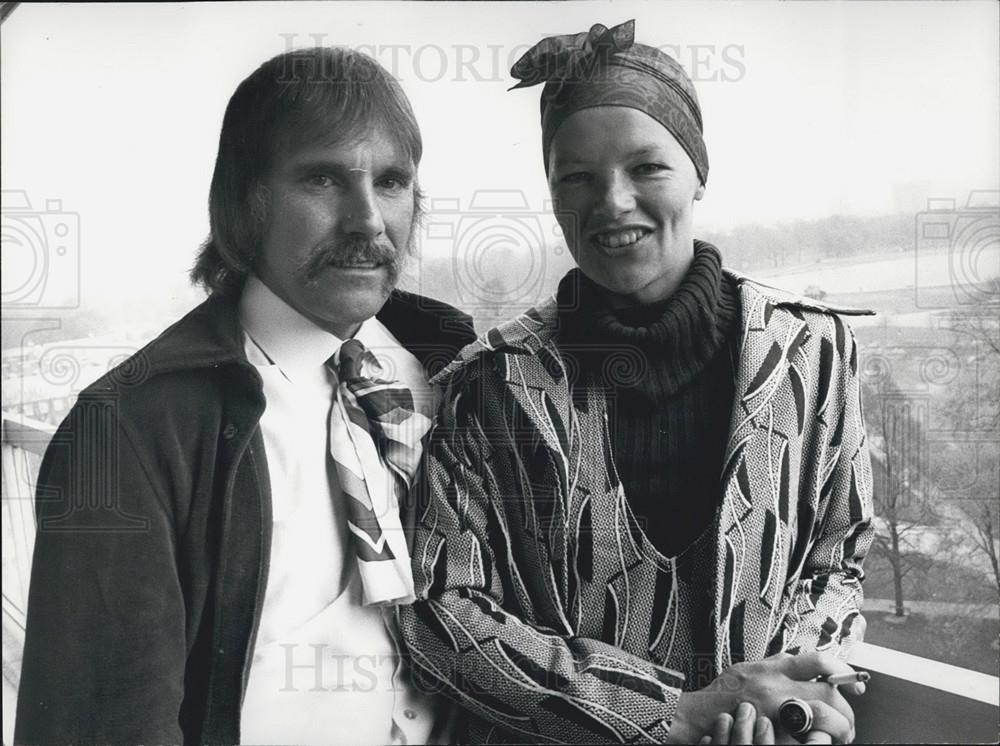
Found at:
<point>700,193</point>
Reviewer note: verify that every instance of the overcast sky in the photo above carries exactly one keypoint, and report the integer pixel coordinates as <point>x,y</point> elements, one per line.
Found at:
<point>810,109</point>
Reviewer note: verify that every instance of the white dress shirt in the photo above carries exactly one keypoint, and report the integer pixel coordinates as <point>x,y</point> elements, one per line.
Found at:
<point>325,668</point>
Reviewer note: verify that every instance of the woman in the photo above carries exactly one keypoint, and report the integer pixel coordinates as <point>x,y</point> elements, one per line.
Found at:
<point>646,495</point>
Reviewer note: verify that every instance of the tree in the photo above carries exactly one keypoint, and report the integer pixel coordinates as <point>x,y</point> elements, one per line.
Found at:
<point>901,486</point>
<point>974,414</point>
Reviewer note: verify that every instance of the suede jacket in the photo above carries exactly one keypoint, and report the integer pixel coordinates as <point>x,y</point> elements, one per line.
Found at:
<point>154,529</point>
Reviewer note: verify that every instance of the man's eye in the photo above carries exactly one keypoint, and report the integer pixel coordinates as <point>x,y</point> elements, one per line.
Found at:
<point>319,180</point>
<point>392,184</point>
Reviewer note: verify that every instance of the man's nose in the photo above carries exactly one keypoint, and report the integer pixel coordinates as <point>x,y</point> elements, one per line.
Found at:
<point>363,214</point>
<point>615,196</point>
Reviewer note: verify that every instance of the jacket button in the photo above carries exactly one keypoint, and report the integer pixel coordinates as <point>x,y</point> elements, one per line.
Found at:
<point>230,432</point>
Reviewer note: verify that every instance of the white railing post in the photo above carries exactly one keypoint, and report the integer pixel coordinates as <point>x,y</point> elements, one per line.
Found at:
<point>24,442</point>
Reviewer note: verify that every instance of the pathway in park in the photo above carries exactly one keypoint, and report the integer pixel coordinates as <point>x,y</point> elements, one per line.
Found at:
<point>934,608</point>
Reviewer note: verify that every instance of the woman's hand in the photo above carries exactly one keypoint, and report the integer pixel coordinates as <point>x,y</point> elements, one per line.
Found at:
<point>765,685</point>
<point>746,727</point>
<point>742,727</point>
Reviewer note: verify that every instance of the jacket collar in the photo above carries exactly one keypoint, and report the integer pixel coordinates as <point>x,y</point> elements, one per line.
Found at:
<point>210,335</point>
<point>432,331</point>
<point>535,328</point>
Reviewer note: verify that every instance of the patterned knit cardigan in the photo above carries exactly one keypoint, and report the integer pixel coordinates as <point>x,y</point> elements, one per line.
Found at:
<point>501,563</point>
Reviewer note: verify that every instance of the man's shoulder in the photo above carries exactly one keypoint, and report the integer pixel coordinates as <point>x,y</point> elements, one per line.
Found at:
<point>404,306</point>
<point>525,334</point>
<point>430,329</point>
<point>426,303</point>
<point>206,338</point>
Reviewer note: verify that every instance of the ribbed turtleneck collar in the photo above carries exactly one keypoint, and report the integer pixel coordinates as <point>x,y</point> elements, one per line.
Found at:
<point>677,336</point>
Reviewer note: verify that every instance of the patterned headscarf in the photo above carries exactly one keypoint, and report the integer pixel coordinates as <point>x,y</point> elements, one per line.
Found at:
<point>605,67</point>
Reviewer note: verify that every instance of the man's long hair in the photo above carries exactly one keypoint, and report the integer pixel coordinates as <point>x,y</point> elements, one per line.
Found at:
<point>322,94</point>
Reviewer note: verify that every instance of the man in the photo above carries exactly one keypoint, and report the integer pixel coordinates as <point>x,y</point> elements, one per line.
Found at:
<point>220,543</point>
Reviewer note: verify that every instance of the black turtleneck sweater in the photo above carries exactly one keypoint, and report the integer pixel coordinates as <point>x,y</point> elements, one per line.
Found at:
<point>669,418</point>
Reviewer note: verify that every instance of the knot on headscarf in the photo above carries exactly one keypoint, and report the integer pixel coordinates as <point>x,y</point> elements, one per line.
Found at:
<point>572,57</point>
<point>606,67</point>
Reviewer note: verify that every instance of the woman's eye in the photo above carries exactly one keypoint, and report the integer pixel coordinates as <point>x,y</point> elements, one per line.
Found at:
<point>646,169</point>
<point>577,177</point>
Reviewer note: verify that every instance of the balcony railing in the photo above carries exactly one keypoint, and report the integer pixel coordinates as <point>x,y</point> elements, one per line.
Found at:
<point>909,699</point>
<point>24,443</point>
<point>918,700</point>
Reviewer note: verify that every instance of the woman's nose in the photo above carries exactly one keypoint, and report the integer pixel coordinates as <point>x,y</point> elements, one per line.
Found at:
<point>616,196</point>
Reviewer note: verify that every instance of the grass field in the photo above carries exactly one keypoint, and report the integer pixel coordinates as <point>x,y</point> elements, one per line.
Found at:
<point>960,641</point>
<point>929,580</point>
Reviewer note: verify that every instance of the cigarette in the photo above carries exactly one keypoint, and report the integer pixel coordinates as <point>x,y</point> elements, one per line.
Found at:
<point>845,678</point>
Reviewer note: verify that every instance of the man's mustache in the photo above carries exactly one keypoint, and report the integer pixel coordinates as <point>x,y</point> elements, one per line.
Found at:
<point>351,251</point>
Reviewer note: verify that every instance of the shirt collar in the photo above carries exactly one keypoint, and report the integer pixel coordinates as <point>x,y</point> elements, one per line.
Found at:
<point>291,341</point>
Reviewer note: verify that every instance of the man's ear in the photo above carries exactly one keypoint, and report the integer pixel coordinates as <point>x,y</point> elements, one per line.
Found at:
<point>699,193</point>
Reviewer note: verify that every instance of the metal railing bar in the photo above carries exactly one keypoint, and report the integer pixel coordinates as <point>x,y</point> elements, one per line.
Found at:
<point>24,432</point>
<point>928,672</point>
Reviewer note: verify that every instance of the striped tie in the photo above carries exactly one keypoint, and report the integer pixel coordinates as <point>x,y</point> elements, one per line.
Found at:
<point>375,441</point>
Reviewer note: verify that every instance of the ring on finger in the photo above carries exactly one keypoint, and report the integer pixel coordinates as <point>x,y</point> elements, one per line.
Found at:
<point>795,716</point>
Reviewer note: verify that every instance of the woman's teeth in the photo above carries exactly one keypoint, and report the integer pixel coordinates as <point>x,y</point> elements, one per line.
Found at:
<point>618,239</point>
